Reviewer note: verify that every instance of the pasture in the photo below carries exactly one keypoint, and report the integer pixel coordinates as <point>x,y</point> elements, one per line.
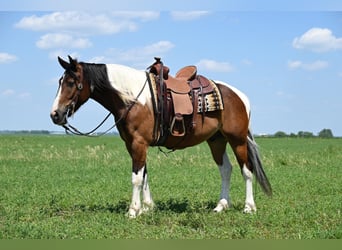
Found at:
<point>56,187</point>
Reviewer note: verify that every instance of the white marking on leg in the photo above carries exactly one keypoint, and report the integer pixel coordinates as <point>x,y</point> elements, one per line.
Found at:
<point>147,197</point>
<point>225,171</point>
<point>137,182</point>
<point>249,203</point>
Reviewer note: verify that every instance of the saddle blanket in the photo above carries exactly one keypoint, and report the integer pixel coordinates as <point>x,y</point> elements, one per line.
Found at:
<point>212,101</point>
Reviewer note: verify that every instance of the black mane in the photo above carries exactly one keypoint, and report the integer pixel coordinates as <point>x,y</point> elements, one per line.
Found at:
<point>97,75</point>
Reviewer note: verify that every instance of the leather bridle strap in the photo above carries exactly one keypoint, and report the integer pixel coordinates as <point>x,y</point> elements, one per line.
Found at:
<point>69,129</point>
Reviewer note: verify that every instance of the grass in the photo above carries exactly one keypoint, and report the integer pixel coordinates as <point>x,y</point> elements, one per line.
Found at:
<point>56,187</point>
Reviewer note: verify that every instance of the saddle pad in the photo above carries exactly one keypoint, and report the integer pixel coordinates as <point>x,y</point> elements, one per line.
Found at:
<point>212,101</point>
<point>153,88</point>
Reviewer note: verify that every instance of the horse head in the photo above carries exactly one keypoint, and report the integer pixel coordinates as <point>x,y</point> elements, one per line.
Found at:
<point>73,91</point>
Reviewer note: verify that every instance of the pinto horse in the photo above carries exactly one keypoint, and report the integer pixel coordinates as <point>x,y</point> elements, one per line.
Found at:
<point>123,92</point>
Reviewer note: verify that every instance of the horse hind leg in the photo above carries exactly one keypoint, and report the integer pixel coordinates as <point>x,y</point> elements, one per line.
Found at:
<point>240,151</point>
<point>247,155</point>
<point>218,150</point>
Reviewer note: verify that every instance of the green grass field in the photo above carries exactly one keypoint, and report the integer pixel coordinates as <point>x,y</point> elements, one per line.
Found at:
<point>56,187</point>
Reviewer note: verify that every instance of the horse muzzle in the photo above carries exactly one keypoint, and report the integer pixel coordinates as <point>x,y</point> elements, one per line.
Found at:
<point>58,117</point>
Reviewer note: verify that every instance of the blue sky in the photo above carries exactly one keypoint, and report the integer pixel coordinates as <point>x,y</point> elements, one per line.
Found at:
<point>287,61</point>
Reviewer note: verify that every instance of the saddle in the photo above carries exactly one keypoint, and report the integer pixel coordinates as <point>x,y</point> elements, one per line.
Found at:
<point>180,96</point>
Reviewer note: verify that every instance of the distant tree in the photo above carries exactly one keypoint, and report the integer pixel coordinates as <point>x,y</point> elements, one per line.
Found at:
<point>293,135</point>
<point>280,134</point>
<point>305,134</point>
<point>325,133</point>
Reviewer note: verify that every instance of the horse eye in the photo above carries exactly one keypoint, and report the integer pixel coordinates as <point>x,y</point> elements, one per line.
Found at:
<point>70,84</point>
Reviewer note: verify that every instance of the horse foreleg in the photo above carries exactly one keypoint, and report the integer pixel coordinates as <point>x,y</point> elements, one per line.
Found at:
<point>140,184</point>
<point>147,197</point>
<point>137,183</point>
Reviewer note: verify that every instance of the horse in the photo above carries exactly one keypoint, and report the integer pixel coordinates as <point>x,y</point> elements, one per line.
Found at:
<point>124,93</point>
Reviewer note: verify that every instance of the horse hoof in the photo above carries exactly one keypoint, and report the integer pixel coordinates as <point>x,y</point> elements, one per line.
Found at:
<point>249,209</point>
<point>221,205</point>
<point>147,207</point>
<point>133,213</point>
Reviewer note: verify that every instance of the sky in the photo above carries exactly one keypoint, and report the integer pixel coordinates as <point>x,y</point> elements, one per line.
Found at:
<point>285,58</point>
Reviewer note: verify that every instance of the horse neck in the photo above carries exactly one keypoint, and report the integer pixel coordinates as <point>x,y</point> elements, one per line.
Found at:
<point>109,100</point>
<point>116,86</point>
<point>96,76</point>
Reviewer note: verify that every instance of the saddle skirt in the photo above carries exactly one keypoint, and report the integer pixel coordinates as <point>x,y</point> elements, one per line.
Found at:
<point>176,99</point>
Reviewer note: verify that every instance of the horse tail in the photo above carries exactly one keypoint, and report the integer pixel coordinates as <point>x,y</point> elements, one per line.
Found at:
<point>255,162</point>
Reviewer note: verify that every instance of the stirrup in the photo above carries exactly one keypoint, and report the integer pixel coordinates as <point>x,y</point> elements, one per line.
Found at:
<point>177,127</point>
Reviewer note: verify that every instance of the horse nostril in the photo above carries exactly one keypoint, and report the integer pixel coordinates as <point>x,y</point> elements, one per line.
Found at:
<point>54,116</point>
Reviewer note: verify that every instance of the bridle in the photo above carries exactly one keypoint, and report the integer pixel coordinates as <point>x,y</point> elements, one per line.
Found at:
<point>71,107</point>
<point>69,129</point>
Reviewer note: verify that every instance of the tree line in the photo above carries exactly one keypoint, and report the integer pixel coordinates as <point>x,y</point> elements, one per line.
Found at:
<point>324,133</point>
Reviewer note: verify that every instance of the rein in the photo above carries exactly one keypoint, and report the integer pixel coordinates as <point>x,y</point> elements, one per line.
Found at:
<point>69,129</point>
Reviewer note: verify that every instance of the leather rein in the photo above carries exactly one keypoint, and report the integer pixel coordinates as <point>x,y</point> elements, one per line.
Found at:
<point>69,129</point>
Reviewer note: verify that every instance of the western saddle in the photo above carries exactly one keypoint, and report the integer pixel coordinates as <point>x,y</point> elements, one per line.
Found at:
<point>177,98</point>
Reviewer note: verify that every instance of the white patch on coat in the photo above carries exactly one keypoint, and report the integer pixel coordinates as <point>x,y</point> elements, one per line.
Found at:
<point>240,94</point>
<point>56,101</point>
<point>129,82</point>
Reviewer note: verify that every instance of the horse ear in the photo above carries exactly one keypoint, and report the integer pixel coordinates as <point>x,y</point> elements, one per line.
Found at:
<point>70,59</point>
<point>63,63</point>
<point>73,64</point>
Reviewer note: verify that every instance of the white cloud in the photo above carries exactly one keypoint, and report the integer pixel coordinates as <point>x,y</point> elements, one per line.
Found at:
<point>153,49</point>
<point>141,53</point>
<point>141,15</point>
<point>62,53</point>
<point>12,93</point>
<point>24,95</point>
<point>138,57</point>
<point>8,92</point>
<point>318,40</point>
<point>7,58</point>
<point>71,29</point>
<point>211,65</point>
<point>60,40</point>
<point>313,66</point>
<point>247,62</point>
<point>188,15</point>
<point>84,23</point>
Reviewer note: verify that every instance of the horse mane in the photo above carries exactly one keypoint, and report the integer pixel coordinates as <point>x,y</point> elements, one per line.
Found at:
<point>125,81</point>
<point>97,76</point>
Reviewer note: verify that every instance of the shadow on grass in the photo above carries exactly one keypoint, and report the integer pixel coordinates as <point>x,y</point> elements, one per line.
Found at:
<point>56,209</point>
<point>184,206</point>
<point>121,207</point>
